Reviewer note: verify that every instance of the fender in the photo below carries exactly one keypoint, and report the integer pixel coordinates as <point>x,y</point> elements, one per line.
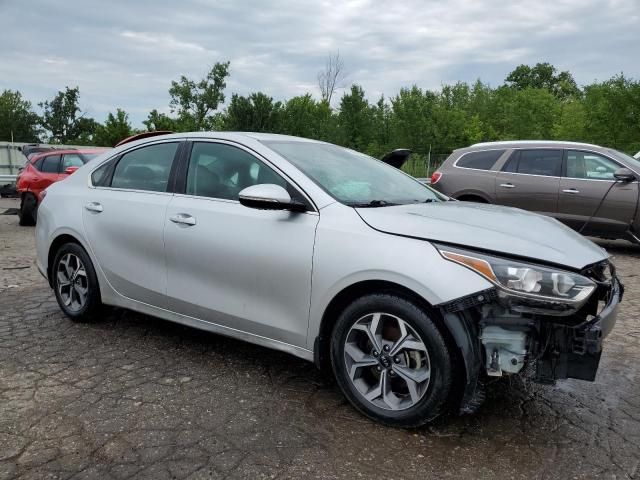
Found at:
<point>465,333</point>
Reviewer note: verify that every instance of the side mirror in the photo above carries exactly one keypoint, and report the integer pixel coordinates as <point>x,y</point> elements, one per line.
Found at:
<point>70,170</point>
<point>268,196</point>
<point>624,175</point>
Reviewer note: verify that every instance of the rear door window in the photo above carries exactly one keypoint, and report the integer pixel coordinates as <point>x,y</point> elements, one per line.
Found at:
<point>51,164</point>
<point>483,160</point>
<point>539,161</point>
<point>71,160</point>
<point>146,168</point>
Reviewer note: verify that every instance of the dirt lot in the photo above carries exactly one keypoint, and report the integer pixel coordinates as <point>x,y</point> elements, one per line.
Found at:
<point>133,396</point>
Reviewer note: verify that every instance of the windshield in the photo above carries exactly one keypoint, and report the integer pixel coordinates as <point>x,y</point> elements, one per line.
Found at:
<point>634,162</point>
<point>353,178</point>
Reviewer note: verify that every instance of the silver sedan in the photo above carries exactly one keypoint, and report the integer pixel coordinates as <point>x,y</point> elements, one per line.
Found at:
<point>410,299</point>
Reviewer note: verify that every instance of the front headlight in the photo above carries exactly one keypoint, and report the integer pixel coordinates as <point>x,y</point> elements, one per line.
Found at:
<point>524,280</point>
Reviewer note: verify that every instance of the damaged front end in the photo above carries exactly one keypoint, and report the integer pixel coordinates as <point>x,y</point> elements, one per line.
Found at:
<point>551,321</point>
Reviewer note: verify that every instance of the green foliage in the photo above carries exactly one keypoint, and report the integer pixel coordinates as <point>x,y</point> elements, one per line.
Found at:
<point>160,121</point>
<point>612,113</point>
<point>543,76</point>
<point>195,102</point>
<point>255,113</point>
<point>355,120</point>
<point>64,121</point>
<point>17,120</point>
<point>117,127</point>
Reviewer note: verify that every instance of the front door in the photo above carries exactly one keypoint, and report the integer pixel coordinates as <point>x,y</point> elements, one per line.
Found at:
<point>244,269</point>
<point>530,180</point>
<point>588,178</point>
<point>124,222</point>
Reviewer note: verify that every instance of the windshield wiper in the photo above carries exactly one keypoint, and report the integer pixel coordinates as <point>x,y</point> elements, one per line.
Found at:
<point>372,204</point>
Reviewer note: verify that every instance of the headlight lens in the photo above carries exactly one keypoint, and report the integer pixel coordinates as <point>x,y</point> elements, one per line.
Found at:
<point>522,279</point>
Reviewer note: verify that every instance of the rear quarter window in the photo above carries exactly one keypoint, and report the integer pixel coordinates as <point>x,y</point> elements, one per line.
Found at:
<point>483,160</point>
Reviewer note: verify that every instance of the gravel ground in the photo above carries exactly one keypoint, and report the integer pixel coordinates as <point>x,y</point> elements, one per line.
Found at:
<point>133,396</point>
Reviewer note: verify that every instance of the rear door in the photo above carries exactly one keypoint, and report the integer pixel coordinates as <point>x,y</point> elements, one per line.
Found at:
<point>530,180</point>
<point>49,173</point>
<point>587,178</point>
<point>70,160</point>
<point>124,220</point>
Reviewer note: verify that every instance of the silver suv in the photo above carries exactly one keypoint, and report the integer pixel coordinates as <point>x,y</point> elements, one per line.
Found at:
<point>410,299</point>
<point>589,188</point>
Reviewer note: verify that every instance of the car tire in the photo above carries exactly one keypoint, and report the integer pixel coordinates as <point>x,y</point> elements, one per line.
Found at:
<point>27,212</point>
<point>75,283</point>
<point>377,383</point>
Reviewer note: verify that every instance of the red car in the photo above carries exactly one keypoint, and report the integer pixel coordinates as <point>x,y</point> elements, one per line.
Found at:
<point>42,170</point>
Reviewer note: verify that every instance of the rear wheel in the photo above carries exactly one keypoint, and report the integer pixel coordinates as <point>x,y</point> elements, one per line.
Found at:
<point>75,283</point>
<point>391,361</point>
<point>472,198</point>
<point>28,210</point>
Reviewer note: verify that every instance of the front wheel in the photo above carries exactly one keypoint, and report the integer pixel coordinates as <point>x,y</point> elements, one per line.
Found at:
<point>75,283</point>
<point>391,361</point>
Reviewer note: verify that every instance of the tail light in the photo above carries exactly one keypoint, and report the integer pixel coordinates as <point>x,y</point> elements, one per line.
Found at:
<point>435,178</point>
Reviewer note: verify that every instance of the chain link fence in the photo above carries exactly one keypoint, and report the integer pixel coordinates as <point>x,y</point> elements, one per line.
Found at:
<point>422,166</point>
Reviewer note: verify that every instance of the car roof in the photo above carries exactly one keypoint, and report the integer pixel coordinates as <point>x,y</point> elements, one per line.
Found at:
<point>239,137</point>
<point>533,143</point>
<point>63,151</point>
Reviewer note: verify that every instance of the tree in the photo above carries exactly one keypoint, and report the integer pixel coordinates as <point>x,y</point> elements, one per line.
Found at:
<point>543,76</point>
<point>114,129</point>
<point>612,111</point>
<point>330,78</point>
<point>355,119</point>
<point>255,113</point>
<point>64,120</point>
<point>412,119</point>
<point>195,102</point>
<point>17,121</point>
<point>160,121</point>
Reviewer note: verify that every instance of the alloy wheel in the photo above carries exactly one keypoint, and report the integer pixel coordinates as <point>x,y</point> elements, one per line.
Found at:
<point>387,361</point>
<point>72,282</point>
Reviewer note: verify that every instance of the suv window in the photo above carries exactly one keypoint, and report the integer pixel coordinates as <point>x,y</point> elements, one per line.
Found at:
<point>145,168</point>
<point>539,161</point>
<point>590,165</point>
<point>218,170</point>
<point>51,164</point>
<point>71,160</point>
<point>479,160</point>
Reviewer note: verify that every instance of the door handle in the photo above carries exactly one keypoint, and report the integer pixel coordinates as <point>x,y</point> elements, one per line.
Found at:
<point>571,190</point>
<point>94,207</point>
<point>507,185</point>
<point>183,219</point>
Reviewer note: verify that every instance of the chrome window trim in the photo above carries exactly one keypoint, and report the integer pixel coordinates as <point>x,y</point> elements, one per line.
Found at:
<point>260,158</point>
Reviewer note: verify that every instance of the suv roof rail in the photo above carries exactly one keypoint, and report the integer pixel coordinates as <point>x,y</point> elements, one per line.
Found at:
<point>140,136</point>
<point>532,142</point>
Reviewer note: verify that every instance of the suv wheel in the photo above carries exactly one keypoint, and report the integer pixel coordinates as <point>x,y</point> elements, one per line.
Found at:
<point>28,210</point>
<point>75,283</point>
<point>391,361</point>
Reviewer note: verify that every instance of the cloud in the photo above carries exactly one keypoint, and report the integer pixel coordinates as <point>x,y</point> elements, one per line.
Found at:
<point>125,54</point>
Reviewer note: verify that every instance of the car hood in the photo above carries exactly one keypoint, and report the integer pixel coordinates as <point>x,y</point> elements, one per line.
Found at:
<point>503,230</point>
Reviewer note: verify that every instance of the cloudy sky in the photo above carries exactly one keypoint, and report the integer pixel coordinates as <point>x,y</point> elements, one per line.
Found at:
<point>125,53</point>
